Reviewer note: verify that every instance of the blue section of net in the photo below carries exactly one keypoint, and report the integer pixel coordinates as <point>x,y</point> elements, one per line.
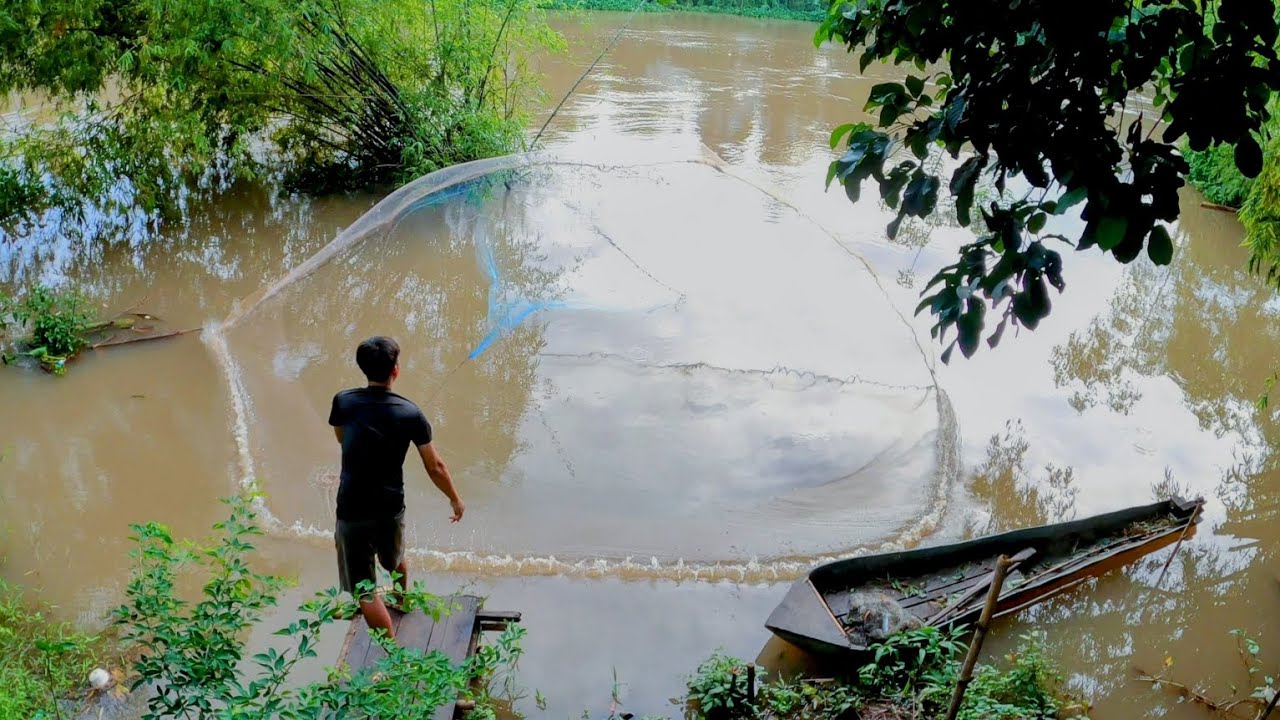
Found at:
<point>507,308</point>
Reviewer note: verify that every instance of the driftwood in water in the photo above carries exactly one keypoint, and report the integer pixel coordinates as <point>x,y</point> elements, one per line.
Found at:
<point>1217,206</point>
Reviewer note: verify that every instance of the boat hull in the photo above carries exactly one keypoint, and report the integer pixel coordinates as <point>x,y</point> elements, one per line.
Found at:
<point>805,619</point>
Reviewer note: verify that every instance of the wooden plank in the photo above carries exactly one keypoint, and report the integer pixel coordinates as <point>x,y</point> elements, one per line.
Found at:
<point>416,630</point>
<point>453,638</point>
<point>977,588</point>
<point>374,651</point>
<point>1119,557</point>
<point>485,616</point>
<point>938,590</point>
<point>948,585</point>
<point>455,630</point>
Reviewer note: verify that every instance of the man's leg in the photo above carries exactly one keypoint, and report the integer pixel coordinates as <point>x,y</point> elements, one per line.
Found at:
<point>376,615</point>
<point>356,572</point>
<point>390,547</point>
<point>401,584</point>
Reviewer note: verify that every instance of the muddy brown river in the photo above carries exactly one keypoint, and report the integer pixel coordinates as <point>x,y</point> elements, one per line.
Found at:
<point>669,374</point>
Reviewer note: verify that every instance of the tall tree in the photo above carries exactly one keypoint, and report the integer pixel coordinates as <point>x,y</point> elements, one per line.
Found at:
<point>1079,106</point>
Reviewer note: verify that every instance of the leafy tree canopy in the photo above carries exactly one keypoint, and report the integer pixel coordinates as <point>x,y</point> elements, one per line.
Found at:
<point>1084,104</point>
<point>175,94</point>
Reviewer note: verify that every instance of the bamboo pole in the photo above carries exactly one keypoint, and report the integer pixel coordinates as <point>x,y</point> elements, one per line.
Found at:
<point>1218,206</point>
<point>1003,563</point>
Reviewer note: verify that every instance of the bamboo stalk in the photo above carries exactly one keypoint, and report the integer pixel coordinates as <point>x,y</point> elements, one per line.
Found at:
<point>1195,514</point>
<point>1003,563</point>
<point>493,53</point>
<point>1217,206</point>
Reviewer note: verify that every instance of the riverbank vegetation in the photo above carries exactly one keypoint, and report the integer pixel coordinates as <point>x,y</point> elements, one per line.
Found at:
<point>1257,199</point>
<point>1044,94</point>
<point>143,102</point>
<point>45,325</point>
<point>1255,697</point>
<point>192,655</point>
<point>807,10</point>
<point>49,327</point>
<point>911,675</point>
<point>1214,173</point>
<point>44,665</point>
<point>187,656</point>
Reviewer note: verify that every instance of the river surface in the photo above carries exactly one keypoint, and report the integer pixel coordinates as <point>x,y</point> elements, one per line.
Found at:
<point>669,373</point>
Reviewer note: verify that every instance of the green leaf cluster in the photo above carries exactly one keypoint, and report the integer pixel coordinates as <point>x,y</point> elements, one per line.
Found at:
<point>46,324</point>
<point>911,674</point>
<point>192,653</point>
<point>154,99</point>
<point>1036,96</point>
<point>42,662</point>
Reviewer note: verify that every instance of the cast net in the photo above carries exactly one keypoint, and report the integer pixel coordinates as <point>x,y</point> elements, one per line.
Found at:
<point>652,369</point>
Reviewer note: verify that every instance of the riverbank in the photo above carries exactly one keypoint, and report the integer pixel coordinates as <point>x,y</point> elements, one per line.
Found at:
<point>797,10</point>
<point>44,665</point>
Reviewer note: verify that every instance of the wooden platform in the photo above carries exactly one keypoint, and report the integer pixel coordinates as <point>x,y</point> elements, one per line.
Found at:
<point>456,636</point>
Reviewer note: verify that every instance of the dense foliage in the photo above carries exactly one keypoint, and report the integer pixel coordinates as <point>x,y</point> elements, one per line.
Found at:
<point>912,674</point>
<point>192,654</point>
<point>46,324</point>
<point>1214,173</point>
<point>1043,98</point>
<point>1260,215</point>
<point>42,661</point>
<point>155,97</point>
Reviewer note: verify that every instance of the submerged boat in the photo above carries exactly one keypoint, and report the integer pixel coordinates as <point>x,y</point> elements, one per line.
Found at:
<point>847,605</point>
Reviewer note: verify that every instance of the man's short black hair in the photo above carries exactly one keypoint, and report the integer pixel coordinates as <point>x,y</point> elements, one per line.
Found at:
<point>377,357</point>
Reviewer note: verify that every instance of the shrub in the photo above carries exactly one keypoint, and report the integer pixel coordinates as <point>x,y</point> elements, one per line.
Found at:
<point>193,654</point>
<point>42,662</point>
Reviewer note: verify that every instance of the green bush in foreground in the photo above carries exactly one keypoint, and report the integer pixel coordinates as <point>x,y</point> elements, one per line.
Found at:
<point>41,661</point>
<point>193,654</point>
<point>912,674</point>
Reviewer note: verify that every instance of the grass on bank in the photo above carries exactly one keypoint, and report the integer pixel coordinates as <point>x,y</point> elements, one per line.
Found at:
<point>42,662</point>
<point>910,675</point>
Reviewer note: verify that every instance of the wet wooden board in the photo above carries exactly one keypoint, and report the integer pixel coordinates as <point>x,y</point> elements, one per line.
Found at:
<point>938,589</point>
<point>455,636</point>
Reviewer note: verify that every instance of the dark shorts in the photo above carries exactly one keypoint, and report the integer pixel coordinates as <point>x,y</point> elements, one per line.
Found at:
<point>359,543</point>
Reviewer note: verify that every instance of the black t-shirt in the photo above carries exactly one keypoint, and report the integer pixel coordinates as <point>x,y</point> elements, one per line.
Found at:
<point>377,428</point>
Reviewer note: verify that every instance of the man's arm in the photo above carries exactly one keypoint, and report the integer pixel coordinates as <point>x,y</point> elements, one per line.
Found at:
<point>439,474</point>
<point>336,417</point>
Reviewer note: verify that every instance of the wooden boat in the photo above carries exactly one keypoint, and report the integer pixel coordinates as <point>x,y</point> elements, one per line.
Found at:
<point>846,605</point>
